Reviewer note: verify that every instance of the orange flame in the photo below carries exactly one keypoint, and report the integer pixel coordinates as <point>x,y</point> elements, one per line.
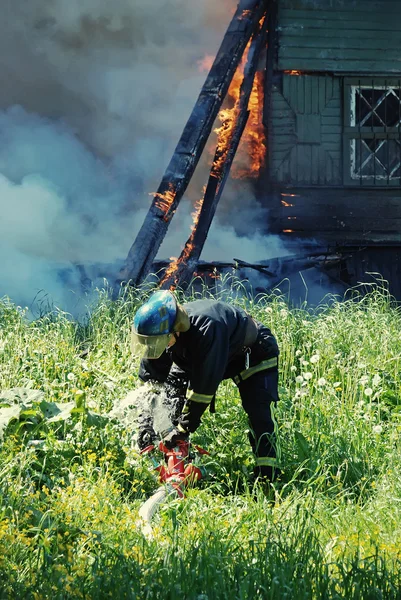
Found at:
<point>293,72</point>
<point>252,150</point>
<point>284,203</point>
<point>165,201</point>
<point>245,14</point>
<point>253,140</point>
<point>173,266</point>
<point>288,231</point>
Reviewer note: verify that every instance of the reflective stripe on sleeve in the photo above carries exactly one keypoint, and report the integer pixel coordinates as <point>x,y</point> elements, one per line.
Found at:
<point>262,366</point>
<point>202,398</point>
<point>181,429</point>
<point>266,461</point>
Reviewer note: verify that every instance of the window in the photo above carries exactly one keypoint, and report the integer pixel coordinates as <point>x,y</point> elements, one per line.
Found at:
<point>372,132</point>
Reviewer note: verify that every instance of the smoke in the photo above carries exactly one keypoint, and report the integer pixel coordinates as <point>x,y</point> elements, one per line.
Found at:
<point>97,95</point>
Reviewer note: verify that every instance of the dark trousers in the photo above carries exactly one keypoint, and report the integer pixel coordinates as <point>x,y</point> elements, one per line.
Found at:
<point>258,394</point>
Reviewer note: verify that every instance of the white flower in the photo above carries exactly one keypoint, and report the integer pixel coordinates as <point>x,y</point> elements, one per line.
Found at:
<point>268,309</point>
<point>305,323</point>
<point>293,368</point>
<point>71,377</point>
<point>377,429</point>
<point>305,363</point>
<point>364,380</point>
<point>368,391</point>
<point>376,380</point>
<point>307,376</point>
<point>299,379</point>
<point>337,383</point>
<point>315,358</point>
<point>283,312</point>
<point>298,353</point>
<point>321,381</point>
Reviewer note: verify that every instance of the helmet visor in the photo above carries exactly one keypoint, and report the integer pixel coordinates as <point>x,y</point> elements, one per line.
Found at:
<point>149,346</point>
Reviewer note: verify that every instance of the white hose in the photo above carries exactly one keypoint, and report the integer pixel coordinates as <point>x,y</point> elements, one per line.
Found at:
<point>148,508</point>
<point>151,505</point>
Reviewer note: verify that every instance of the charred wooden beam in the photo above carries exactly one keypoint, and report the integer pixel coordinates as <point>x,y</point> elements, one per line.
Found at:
<point>223,159</point>
<point>192,141</point>
<point>275,269</point>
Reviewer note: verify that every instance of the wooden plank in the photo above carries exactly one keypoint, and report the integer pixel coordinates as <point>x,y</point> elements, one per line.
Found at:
<point>348,33</point>
<point>319,15</point>
<point>355,238</point>
<point>346,195</point>
<point>339,211</point>
<point>324,222</point>
<point>346,65</point>
<point>344,5</point>
<point>343,54</point>
<point>313,41</point>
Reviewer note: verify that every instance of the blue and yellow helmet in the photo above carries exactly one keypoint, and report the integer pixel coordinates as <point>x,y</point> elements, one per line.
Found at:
<point>153,324</point>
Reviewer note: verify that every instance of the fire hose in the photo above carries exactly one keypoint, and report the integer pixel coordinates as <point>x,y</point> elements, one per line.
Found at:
<point>177,470</point>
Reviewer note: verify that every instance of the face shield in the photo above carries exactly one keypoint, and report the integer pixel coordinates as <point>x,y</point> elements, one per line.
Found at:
<point>149,346</point>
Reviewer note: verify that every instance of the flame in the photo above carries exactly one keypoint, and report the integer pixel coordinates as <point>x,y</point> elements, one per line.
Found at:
<point>288,231</point>
<point>293,72</point>
<point>175,262</point>
<point>253,139</point>
<point>252,150</point>
<point>245,14</point>
<point>164,201</point>
<point>290,195</point>
<point>284,203</point>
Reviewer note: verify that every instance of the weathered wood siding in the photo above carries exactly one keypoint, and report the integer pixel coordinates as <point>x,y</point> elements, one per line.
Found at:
<point>306,130</point>
<point>340,36</point>
<point>346,215</point>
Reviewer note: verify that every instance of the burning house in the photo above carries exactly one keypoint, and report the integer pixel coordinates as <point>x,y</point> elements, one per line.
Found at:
<point>315,85</point>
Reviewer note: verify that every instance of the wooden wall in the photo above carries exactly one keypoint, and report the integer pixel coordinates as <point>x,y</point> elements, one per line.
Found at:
<point>362,36</point>
<point>316,45</point>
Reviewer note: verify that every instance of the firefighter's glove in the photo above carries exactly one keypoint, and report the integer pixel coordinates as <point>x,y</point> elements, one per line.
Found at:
<point>146,437</point>
<point>174,436</point>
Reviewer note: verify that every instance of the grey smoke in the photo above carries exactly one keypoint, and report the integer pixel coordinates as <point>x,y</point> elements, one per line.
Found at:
<point>96,95</point>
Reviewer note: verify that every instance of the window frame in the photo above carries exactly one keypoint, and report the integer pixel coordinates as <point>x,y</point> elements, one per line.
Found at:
<point>354,132</point>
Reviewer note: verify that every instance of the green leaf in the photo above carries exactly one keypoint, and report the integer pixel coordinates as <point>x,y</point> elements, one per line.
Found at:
<point>96,420</point>
<point>56,411</point>
<point>7,415</point>
<point>21,395</point>
<point>304,449</point>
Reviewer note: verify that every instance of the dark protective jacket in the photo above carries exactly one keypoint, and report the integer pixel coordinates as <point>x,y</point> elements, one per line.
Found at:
<point>210,351</point>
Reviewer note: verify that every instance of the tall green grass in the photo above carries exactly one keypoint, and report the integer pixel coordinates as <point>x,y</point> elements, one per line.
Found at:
<point>330,527</point>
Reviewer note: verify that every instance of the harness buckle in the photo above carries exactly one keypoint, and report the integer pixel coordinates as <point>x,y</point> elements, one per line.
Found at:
<point>247,355</point>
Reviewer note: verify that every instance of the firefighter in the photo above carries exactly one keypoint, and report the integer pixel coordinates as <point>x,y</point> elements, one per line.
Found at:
<point>190,349</point>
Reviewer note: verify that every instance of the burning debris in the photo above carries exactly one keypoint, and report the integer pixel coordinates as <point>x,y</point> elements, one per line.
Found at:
<point>246,23</point>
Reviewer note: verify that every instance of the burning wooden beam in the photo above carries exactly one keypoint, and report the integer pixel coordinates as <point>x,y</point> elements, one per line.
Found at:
<point>227,144</point>
<point>192,141</point>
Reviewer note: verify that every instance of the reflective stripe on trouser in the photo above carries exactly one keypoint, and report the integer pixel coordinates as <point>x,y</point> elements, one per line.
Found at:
<point>202,398</point>
<point>264,365</point>
<point>266,461</point>
<point>259,395</point>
